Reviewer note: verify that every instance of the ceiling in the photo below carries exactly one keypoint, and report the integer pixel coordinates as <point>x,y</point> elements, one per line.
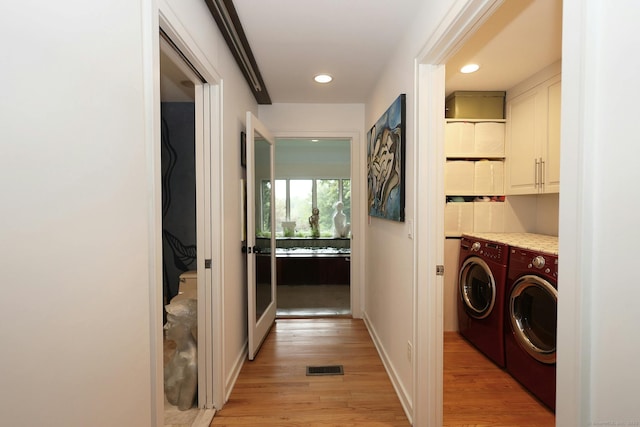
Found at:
<point>519,39</point>
<point>292,41</point>
<point>175,86</point>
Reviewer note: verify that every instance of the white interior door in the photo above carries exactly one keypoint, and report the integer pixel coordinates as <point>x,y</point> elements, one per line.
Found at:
<point>261,248</point>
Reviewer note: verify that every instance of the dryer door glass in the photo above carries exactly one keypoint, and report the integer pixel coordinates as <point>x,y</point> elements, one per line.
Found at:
<point>477,288</point>
<point>533,306</point>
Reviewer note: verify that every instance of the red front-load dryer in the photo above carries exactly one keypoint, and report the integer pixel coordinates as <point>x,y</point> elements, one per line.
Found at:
<point>530,322</point>
<point>481,293</point>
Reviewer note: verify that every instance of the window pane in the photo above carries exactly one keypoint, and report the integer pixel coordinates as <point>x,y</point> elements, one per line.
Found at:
<point>346,198</point>
<point>328,194</point>
<point>265,216</point>
<point>281,204</point>
<point>300,199</point>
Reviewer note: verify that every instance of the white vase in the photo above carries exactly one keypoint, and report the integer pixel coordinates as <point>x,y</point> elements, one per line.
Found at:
<point>288,228</point>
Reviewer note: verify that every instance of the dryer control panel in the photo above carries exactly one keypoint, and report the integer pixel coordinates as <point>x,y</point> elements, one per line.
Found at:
<point>540,263</point>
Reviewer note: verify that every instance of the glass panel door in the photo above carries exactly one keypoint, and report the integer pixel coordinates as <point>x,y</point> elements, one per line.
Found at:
<point>261,280</point>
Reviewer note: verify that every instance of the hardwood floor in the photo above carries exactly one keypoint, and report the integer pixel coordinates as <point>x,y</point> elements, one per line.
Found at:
<point>274,390</point>
<point>478,393</point>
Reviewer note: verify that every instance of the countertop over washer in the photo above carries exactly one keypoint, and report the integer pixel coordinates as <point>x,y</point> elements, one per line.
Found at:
<point>535,242</point>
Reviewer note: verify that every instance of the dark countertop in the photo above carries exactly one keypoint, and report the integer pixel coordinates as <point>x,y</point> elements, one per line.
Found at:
<point>312,252</point>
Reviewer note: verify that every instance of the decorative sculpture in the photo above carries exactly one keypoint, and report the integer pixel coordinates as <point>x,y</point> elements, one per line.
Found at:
<point>341,227</point>
<point>181,373</point>
<point>313,222</point>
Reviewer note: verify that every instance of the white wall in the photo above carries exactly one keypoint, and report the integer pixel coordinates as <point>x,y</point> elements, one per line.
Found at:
<point>325,159</point>
<point>599,211</point>
<point>537,213</point>
<point>291,120</point>
<point>390,264</point>
<point>78,253</point>
<point>547,214</point>
<point>75,254</point>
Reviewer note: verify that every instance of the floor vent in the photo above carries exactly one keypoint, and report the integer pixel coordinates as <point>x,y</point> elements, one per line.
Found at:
<point>325,370</point>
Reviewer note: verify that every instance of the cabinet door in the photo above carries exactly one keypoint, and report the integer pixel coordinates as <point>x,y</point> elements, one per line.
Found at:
<point>523,143</point>
<point>552,157</point>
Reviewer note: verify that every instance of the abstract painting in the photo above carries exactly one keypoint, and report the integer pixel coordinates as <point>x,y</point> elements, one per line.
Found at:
<point>386,163</point>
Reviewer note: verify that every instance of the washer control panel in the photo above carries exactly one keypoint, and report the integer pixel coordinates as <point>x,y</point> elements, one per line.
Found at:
<point>488,250</point>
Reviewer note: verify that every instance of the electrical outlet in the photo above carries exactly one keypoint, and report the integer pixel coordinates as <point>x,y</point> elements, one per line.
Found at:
<point>409,351</point>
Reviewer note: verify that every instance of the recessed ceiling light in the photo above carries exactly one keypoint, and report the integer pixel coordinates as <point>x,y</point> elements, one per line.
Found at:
<point>323,78</point>
<point>315,140</point>
<point>470,68</point>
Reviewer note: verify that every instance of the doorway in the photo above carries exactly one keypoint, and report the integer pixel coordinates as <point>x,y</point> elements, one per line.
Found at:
<point>499,207</point>
<point>313,220</point>
<point>434,79</point>
<point>179,249</point>
<point>187,139</point>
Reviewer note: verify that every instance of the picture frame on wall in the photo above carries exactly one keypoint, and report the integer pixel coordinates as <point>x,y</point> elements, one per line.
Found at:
<point>386,163</point>
<point>243,209</point>
<point>243,149</point>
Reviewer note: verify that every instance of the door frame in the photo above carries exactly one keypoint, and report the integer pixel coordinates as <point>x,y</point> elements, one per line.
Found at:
<point>357,175</point>
<point>209,223</point>
<point>202,170</point>
<point>572,407</point>
<point>462,19</point>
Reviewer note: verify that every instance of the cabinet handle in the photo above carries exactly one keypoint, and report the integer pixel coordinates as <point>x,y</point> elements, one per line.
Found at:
<point>542,162</point>
<point>537,168</point>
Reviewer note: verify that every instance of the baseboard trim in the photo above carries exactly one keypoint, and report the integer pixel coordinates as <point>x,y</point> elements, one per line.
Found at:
<point>235,372</point>
<point>204,418</point>
<point>405,399</point>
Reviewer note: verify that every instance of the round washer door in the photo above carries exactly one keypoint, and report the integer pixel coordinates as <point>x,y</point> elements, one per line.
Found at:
<point>477,288</point>
<point>533,308</point>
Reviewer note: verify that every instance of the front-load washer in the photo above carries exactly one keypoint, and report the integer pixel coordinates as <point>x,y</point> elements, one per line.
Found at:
<point>530,322</point>
<point>481,291</point>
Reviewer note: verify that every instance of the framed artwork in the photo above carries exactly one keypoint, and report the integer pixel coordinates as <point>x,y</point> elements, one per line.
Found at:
<point>386,163</point>
<point>243,211</point>
<point>243,149</point>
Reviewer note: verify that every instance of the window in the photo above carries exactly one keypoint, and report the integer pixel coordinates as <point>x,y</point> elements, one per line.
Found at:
<point>264,227</point>
<point>295,198</point>
<point>299,199</point>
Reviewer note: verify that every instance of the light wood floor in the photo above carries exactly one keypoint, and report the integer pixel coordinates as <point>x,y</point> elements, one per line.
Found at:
<point>274,391</point>
<point>478,393</point>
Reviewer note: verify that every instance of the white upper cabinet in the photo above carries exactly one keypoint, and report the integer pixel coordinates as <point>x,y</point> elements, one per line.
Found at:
<point>552,170</point>
<point>533,139</point>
